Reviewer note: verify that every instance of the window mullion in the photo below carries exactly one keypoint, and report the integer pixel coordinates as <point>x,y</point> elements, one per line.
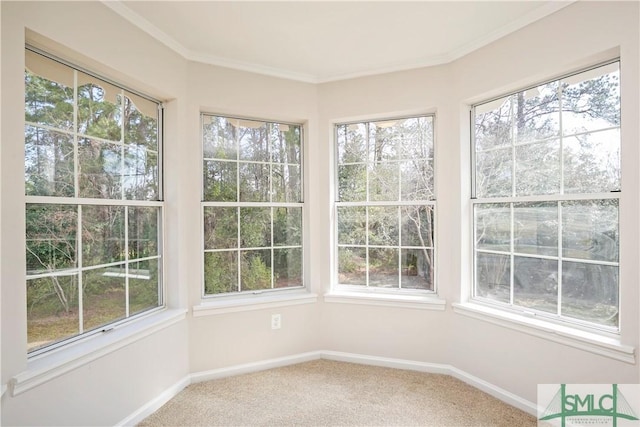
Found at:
<point>122,147</point>
<point>561,125</point>
<point>126,261</point>
<point>512,264</point>
<point>239,256</point>
<point>80,272</point>
<point>76,126</point>
<point>560,258</point>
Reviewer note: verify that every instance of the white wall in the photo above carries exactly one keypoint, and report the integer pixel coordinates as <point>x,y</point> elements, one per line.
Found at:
<point>242,337</point>
<point>104,391</point>
<point>573,37</point>
<point>109,389</point>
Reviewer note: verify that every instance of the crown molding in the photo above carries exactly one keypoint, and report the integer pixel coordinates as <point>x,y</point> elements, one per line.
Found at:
<point>142,23</point>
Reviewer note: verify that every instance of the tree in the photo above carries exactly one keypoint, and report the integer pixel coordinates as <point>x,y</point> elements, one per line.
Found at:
<point>390,161</point>
<point>108,150</point>
<point>558,138</point>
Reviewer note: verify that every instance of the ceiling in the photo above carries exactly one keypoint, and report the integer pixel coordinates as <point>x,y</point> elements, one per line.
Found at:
<point>320,41</point>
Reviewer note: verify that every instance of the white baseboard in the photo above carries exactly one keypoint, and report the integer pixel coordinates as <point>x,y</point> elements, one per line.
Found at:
<point>155,404</point>
<point>386,362</point>
<point>254,366</point>
<point>436,368</point>
<point>495,391</point>
<point>412,365</point>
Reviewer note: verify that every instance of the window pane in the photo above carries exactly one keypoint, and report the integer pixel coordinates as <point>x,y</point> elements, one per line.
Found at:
<point>255,270</point>
<point>417,180</point>
<point>144,286</point>
<point>590,292</point>
<point>254,182</point>
<point>352,143</point>
<point>383,267</point>
<point>48,163</point>
<point>140,122</point>
<point>254,141</point>
<point>286,143</point>
<point>352,225</point>
<point>591,100</point>
<point>48,92</point>
<point>493,226</point>
<point>417,269</point>
<point>220,227</point>
<point>103,291</point>
<point>538,168</point>
<point>100,169</point>
<point>352,183</point>
<point>100,142</point>
<point>287,226</point>
<point>99,108</point>
<point>493,125</point>
<point>417,226</point>
<point>140,173</point>
<point>219,138</point>
<point>287,267</point>
<point>220,180</point>
<point>537,113</point>
<point>417,138</point>
<point>286,183</point>
<point>255,227</point>
<point>493,173</point>
<point>385,140</point>
<point>52,310</point>
<point>352,266</point>
<point>50,237</point>
<point>536,228</point>
<point>383,225</point>
<point>493,276</point>
<point>592,162</point>
<point>220,272</point>
<point>590,229</point>
<point>535,283</point>
<point>102,235</point>
<point>383,181</point>
<point>144,229</point>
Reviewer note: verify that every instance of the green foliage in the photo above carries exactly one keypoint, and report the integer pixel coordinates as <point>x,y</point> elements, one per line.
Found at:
<point>109,129</point>
<point>254,272</point>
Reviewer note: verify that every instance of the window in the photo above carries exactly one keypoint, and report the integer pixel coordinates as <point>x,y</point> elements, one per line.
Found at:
<point>252,207</point>
<point>547,187</point>
<point>93,209</point>
<point>385,205</point>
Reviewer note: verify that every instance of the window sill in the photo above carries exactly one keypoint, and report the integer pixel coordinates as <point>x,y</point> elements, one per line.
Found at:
<point>576,338</point>
<point>50,365</point>
<point>430,302</point>
<point>253,302</point>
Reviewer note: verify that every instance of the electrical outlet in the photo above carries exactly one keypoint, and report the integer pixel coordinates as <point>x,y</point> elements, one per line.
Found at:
<point>276,321</point>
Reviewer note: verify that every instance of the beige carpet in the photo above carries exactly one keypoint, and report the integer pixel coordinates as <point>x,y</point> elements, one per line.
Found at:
<point>328,393</point>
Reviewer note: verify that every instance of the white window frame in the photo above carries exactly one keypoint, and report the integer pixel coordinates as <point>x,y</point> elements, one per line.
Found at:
<point>79,202</point>
<point>228,301</point>
<point>479,306</point>
<point>397,296</point>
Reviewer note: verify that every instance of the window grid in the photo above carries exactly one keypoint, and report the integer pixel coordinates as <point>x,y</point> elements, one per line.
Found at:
<point>368,204</point>
<point>77,203</point>
<point>559,199</point>
<point>240,204</point>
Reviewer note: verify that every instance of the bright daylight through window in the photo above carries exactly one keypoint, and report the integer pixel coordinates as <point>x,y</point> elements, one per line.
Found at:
<point>93,209</point>
<point>385,204</point>
<point>252,205</point>
<point>546,193</point>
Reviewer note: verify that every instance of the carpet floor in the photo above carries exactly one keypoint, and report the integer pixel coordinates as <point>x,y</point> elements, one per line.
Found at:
<point>329,393</point>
